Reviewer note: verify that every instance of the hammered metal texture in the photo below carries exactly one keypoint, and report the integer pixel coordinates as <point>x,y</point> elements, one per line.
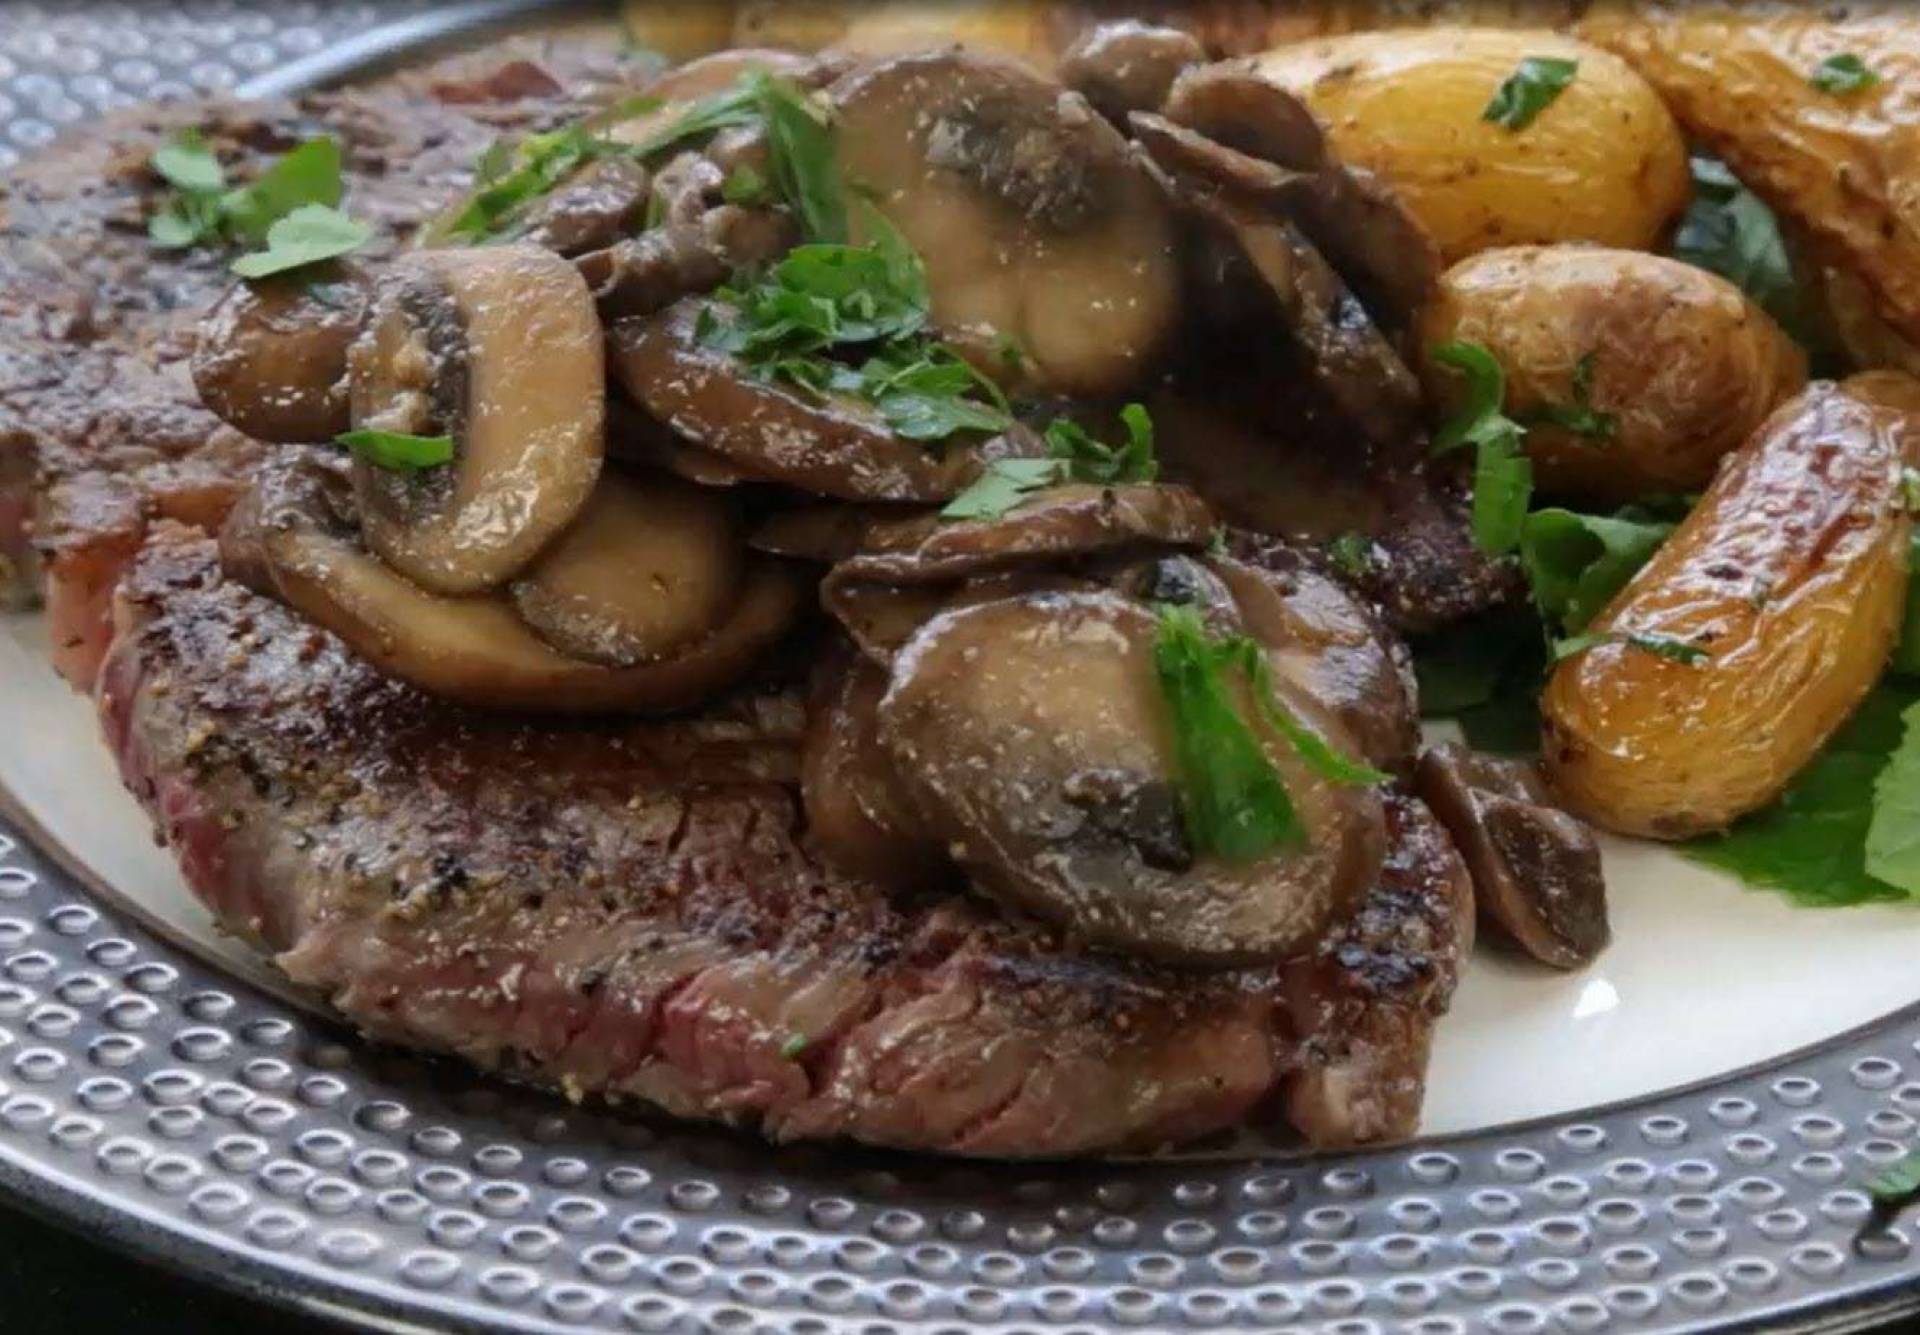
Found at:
<point>215,1127</point>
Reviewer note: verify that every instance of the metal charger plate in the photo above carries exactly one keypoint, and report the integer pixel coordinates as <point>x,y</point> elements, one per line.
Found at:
<point>155,1101</point>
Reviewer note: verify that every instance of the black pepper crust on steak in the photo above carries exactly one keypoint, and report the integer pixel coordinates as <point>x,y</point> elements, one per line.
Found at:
<point>101,432</point>
<point>633,911</point>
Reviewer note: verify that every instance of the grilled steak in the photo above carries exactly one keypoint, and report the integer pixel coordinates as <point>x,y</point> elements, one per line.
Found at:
<point>634,911</point>
<point>100,429</point>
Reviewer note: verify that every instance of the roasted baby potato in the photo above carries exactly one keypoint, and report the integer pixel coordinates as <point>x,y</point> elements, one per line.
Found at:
<point>1837,165</point>
<point>1754,632</point>
<point>1034,30</point>
<point>1673,365</point>
<point>1603,162</point>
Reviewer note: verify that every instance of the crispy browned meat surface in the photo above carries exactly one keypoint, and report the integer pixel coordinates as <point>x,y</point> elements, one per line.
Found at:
<point>634,911</point>
<point>100,429</point>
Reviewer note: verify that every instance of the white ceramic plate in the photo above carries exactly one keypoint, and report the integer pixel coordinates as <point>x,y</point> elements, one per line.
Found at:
<point>1704,976</point>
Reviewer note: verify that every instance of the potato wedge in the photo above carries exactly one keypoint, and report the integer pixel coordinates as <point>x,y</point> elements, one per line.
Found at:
<point>1680,366</point>
<point>1840,167</point>
<point>1603,162</point>
<point>1790,577</point>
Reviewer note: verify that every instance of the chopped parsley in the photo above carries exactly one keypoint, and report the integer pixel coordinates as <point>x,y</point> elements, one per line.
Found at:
<point>1073,456</point>
<point>1576,563</point>
<point>1729,231</point>
<point>1661,646</point>
<point>1503,475</point>
<point>1532,87</point>
<point>290,211</point>
<point>1843,75</point>
<point>397,450</point>
<point>1235,806</point>
<point>1351,554</point>
<point>1580,416</point>
<point>795,1045</point>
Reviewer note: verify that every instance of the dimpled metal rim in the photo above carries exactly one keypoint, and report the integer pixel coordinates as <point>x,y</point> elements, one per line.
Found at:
<point>152,1099</point>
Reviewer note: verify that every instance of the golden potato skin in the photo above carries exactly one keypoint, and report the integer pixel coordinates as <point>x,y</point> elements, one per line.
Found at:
<point>1684,363</point>
<point>1844,169</point>
<point>1792,574</point>
<point>1603,163</point>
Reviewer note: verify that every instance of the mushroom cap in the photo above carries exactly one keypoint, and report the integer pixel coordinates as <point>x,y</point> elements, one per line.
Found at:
<point>834,446</point>
<point>498,347</point>
<point>651,566</point>
<point>1031,733</point>
<point>1032,219</point>
<point>475,650</point>
<point>271,356</point>
<point>1127,65</point>
<point>1536,869</point>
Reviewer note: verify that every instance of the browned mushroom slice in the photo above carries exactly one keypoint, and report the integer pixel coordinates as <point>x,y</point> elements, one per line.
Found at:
<point>1536,869</point>
<point>1127,66</point>
<point>476,650</point>
<point>1034,222</point>
<point>271,358</point>
<point>823,533</point>
<point>596,207</point>
<point>500,349</point>
<point>1262,253</point>
<point>833,446</point>
<point>1336,647</point>
<point>855,809</point>
<point>635,438</point>
<point>1033,737</point>
<point>1355,219</point>
<point>908,569</point>
<point>651,566</point>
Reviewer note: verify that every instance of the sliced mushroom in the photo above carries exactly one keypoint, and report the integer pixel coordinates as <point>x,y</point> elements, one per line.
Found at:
<point>908,569</point>
<point>1354,218</point>
<point>823,533</point>
<point>650,567</point>
<point>1127,66</point>
<point>856,811</point>
<point>1536,869</point>
<point>498,348</point>
<point>475,650</point>
<point>833,446</point>
<point>1033,737</point>
<point>635,438</point>
<point>271,359</point>
<point>1033,221</point>
<point>600,204</point>
<point>1339,649</point>
<point>1257,251</point>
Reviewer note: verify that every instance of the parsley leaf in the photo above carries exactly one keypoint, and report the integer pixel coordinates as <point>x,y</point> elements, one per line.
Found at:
<point>1575,563</point>
<point>1842,75</point>
<point>1893,834</point>
<point>1906,653</point>
<point>1092,461</point>
<point>308,174</point>
<point>1503,475</point>
<point>1728,231</point>
<point>1661,646</point>
<point>187,164</point>
<point>202,209</point>
<point>397,450</point>
<point>1351,554</point>
<point>1485,674</point>
<point>308,235</point>
<point>1580,416</point>
<point>1811,844</point>
<point>513,179</point>
<point>1529,90</point>
<point>1004,484</point>
<point>1235,805</point>
<point>803,155</point>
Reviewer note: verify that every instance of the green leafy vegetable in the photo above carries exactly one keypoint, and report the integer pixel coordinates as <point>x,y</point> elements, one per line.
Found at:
<point>1811,844</point>
<point>1580,416</point>
<point>1235,805</point>
<point>1503,475</point>
<point>1485,674</point>
<point>805,162</point>
<point>308,235</point>
<point>201,209</point>
<point>1004,484</point>
<point>397,450</point>
<point>1328,763</point>
<point>1661,646</point>
<point>1351,554</point>
<point>1530,90</point>
<point>744,185</point>
<point>1575,563</point>
<point>515,179</point>
<point>1893,835</point>
<point>795,1045</point>
<point>1843,75</point>
<point>1728,231</point>
<point>1899,1183</point>
<point>1906,654</point>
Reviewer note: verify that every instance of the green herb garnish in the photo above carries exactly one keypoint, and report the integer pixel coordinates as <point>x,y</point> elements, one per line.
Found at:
<point>1576,563</point>
<point>202,210</point>
<point>397,450</point>
<point>1580,416</point>
<point>801,148</point>
<point>1503,475</point>
<point>1661,646</point>
<point>1529,90</point>
<point>1351,554</point>
<point>1075,456</point>
<point>1843,75</point>
<point>1893,834</point>
<point>1728,231</point>
<point>795,1045</point>
<point>310,234</point>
